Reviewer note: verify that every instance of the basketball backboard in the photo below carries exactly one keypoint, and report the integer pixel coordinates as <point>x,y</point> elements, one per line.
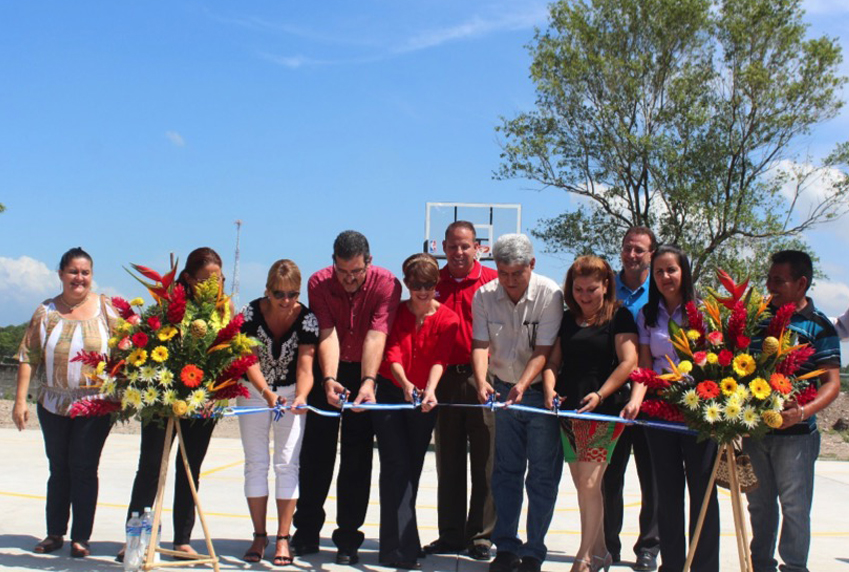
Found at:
<point>491,220</point>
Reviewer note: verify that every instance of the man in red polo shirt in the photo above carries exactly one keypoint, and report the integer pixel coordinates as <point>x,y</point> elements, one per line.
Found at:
<point>355,304</point>
<point>459,280</point>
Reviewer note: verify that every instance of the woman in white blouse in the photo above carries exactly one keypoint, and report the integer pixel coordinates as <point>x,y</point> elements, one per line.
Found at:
<point>74,320</point>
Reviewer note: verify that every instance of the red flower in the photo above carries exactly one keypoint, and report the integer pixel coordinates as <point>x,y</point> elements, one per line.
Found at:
<point>89,358</point>
<point>700,358</point>
<point>122,306</point>
<point>661,410</point>
<point>725,358</point>
<point>191,376</point>
<point>780,383</point>
<point>140,339</point>
<point>780,320</point>
<point>154,323</point>
<point>715,338</point>
<point>177,305</point>
<point>649,378</point>
<point>736,290</point>
<point>93,408</point>
<point>231,391</point>
<point>736,323</point>
<point>794,360</point>
<point>708,389</point>
<point>695,320</point>
<point>237,368</point>
<point>807,395</point>
<point>743,342</point>
<point>226,333</point>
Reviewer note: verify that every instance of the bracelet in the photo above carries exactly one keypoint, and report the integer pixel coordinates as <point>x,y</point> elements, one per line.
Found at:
<point>600,398</point>
<point>802,409</point>
<point>266,388</point>
<point>326,379</point>
<point>371,377</point>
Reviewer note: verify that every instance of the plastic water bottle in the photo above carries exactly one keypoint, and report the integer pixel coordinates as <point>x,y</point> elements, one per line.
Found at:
<point>146,532</point>
<point>133,555</point>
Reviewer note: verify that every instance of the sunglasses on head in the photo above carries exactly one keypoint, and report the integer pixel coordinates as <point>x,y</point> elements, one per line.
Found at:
<point>413,286</point>
<point>280,294</point>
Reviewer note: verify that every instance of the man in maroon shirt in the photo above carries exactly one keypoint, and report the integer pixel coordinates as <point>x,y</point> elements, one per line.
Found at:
<point>355,304</point>
<point>459,280</point>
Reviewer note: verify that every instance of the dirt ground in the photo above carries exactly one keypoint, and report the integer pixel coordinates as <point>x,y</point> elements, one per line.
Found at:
<point>834,446</point>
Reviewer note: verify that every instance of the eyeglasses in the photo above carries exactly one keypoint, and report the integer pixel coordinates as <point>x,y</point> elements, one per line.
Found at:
<point>280,294</point>
<point>355,273</point>
<point>416,286</point>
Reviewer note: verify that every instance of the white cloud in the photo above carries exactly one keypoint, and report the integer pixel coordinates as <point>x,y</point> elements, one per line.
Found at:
<point>826,6</point>
<point>26,275</point>
<point>832,298</point>
<point>175,138</point>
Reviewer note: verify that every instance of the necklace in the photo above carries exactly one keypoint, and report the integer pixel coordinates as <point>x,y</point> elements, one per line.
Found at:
<point>72,307</point>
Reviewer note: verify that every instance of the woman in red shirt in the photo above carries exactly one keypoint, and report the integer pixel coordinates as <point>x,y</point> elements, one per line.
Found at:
<point>417,350</point>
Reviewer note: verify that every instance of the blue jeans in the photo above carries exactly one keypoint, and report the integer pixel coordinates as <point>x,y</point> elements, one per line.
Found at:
<point>784,466</point>
<point>525,441</point>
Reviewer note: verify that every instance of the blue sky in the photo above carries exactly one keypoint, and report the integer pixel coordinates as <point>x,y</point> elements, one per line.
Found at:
<point>139,129</point>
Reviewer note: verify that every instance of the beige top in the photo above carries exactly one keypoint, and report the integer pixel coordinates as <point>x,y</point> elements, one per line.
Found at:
<point>514,330</point>
<point>50,343</point>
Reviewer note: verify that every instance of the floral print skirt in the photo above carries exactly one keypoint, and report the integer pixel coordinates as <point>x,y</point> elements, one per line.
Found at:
<point>591,441</point>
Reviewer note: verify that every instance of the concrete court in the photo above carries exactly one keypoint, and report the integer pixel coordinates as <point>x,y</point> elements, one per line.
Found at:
<point>23,476</point>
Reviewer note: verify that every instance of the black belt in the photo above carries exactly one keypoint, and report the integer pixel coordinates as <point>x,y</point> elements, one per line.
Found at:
<point>462,368</point>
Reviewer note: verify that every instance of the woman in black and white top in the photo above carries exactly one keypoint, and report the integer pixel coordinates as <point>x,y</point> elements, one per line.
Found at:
<point>288,334</point>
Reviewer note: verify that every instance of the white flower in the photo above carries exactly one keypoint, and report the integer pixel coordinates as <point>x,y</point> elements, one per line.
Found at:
<point>133,376</point>
<point>169,396</point>
<point>732,411</point>
<point>750,417</point>
<point>197,398</point>
<point>109,385</point>
<point>132,398</point>
<point>712,413</point>
<point>147,373</point>
<point>776,402</point>
<point>165,376</point>
<point>690,399</point>
<point>150,396</point>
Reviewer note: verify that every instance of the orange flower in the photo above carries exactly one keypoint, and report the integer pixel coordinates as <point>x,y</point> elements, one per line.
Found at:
<point>780,383</point>
<point>191,375</point>
<point>708,389</point>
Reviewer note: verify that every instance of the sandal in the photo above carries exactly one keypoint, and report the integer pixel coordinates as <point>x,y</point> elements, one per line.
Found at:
<point>51,543</point>
<point>80,549</point>
<point>253,556</point>
<point>283,560</point>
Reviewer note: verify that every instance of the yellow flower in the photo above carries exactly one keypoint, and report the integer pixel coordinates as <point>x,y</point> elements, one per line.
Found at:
<point>712,358</point>
<point>760,388</point>
<point>690,399</point>
<point>179,408</point>
<point>109,386</point>
<point>137,357</point>
<point>685,367</point>
<point>167,333</point>
<point>113,341</point>
<point>744,365</point>
<point>750,417</point>
<point>693,335</point>
<point>159,354</point>
<point>732,411</point>
<point>125,327</point>
<point>772,418</point>
<point>242,344</point>
<point>743,392</point>
<point>100,367</point>
<point>728,386</point>
<point>147,373</point>
<point>733,399</point>
<point>132,377</point>
<point>712,413</point>
<point>197,398</point>
<point>137,302</point>
<point>770,346</point>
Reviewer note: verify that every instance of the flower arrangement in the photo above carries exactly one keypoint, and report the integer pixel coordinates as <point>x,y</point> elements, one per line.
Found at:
<point>178,357</point>
<point>723,387</point>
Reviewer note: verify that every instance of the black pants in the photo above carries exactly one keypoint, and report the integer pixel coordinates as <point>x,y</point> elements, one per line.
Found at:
<point>455,427</point>
<point>318,460</point>
<point>73,447</point>
<point>678,458</point>
<point>648,540</point>
<point>196,436</point>
<point>402,440</point>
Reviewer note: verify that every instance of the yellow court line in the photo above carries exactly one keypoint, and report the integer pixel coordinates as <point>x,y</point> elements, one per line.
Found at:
<point>221,468</point>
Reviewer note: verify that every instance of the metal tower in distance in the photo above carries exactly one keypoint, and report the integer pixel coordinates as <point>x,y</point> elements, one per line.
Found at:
<point>234,292</point>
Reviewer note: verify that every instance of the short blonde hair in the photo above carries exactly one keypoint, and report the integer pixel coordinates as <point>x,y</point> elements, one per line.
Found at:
<point>284,271</point>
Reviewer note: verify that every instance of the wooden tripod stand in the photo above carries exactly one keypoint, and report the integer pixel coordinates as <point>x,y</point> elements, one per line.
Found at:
<point>737,507</point>
<point>153,547</point>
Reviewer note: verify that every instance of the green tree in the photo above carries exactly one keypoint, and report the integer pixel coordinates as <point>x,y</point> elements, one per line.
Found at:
<point>681,115</point>
<point>10,340</point>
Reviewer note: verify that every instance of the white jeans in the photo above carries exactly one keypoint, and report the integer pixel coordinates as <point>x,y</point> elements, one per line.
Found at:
<point>288,435</point>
